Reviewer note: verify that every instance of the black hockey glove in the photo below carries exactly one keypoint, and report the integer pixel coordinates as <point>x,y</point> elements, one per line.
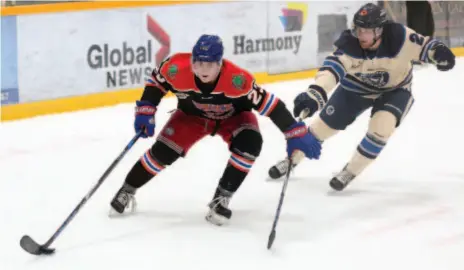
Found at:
<point>312,100</point>
<point>444,57</point>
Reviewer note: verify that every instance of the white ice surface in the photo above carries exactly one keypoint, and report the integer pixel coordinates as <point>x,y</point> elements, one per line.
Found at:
<point>405,212</point>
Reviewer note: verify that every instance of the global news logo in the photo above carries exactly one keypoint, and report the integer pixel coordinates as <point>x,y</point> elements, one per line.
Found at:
<point>294,16</point>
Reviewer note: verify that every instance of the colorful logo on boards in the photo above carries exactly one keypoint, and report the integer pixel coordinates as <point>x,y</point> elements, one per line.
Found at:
<point>294,16</point>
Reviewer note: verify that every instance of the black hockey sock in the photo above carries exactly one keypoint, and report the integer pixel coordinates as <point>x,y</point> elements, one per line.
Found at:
<point>144,170</point>
<point>235,172</point>
<point>138,176</point>
<point>244,149</point>
<point>150,164</point>
<point>232,178</point>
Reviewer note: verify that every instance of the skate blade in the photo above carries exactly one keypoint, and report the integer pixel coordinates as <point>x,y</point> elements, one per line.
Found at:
<point>337,185</point>
<point>216,219</point>
<point>270,179</point>
<point>128,212</point>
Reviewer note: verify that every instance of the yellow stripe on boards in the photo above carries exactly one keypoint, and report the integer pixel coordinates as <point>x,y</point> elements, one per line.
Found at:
<point>90,101</point>
<point>458,51</point>
<point>68,104</point>
<point>91,5</point>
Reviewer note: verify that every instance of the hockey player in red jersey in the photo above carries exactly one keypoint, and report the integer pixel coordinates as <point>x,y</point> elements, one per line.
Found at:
<point>215,97</point>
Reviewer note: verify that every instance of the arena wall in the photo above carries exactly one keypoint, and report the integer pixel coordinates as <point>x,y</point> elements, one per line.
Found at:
<point>73,56</point>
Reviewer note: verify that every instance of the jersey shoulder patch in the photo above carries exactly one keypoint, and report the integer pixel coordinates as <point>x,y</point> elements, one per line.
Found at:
<point>174,65</point>
<point>235,81</point>
<point>177,71</point>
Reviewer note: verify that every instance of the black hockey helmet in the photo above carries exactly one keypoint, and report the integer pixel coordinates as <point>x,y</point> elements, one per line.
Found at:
<point>370,16</point>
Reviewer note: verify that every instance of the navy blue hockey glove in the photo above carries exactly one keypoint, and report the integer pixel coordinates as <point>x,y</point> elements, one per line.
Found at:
<point>299,138</point>
<point>444,57</point>
<point>311,100</point>
<point>145,118</point>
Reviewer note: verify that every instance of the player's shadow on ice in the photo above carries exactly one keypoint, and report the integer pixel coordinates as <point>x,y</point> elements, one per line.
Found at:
<point>244,221</point>
<point>385,195</point>
<point>321,184</point>
<point>165,222</point>
<point>361,186</point>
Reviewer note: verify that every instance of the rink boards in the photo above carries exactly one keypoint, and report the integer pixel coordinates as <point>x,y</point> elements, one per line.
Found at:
<point>72,56</point>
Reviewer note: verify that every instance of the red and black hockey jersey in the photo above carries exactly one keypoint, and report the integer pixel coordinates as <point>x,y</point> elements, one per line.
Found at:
<point>233,92</point>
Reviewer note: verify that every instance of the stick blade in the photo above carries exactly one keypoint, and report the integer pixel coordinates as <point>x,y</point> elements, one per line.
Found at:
<point>270,241</point>
<point>31,246</point>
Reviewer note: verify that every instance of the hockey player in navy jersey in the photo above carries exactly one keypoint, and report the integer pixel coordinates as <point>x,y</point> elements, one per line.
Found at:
<point>372,65</point>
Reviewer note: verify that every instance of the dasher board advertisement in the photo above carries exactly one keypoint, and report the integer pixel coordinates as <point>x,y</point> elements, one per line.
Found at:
<point>77,53</point>
<point>9,64</point>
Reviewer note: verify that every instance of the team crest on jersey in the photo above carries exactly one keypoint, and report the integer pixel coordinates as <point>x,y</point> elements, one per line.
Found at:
<point>172,70</point>
<point>238,81</point>
<point>215,111</point>
<point>377,79</point>
<point>169,131</point>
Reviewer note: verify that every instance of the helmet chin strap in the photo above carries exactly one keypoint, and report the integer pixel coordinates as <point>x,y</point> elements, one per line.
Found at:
<point>376,38</point>
<point>373,43</point>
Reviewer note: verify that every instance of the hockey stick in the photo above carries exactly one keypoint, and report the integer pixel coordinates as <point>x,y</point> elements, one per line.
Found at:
<point>31,246</point>
<point>297,156</point>
<point>272,235</point>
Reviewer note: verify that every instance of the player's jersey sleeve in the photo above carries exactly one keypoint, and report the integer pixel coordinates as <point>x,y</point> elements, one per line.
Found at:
<point>156,86</point>
<point>372,72</point>
<point>333,70</point>
<point>267,104</point>
<point>418,47</point>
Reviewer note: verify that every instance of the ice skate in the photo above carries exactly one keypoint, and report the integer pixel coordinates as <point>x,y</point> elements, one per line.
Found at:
<point>341,180</point>
<point>280,169</point>
<point>124,199</point>
<point>219,213</point>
